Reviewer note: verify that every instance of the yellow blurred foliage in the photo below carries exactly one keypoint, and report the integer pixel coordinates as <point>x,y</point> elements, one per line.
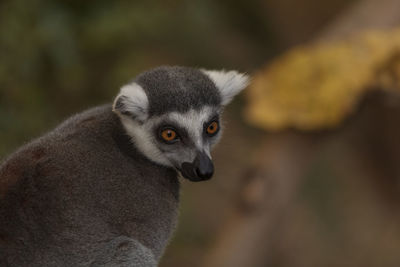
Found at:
<point>317,86</point>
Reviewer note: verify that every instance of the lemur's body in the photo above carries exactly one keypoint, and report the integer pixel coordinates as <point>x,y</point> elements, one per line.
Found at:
<point>95,191</point>
<point>60,215</point>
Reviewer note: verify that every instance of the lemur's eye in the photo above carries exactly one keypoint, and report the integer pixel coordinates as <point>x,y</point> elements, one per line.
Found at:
<point>169,135</point>
<point>212,128</point>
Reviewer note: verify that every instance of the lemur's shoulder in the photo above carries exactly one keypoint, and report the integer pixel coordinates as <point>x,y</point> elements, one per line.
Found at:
<point>36,155</point>
<point>93,121</point>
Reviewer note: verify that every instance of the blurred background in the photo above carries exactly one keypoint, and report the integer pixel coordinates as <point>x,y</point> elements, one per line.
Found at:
<point>308,171</point>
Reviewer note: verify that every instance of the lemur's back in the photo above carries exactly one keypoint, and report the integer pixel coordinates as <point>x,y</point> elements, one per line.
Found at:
<point>83,195</point>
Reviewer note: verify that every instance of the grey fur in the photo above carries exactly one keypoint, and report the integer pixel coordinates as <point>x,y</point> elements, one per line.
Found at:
<point>124,251</point>
<point>68,197</point>
<point>177,89</point>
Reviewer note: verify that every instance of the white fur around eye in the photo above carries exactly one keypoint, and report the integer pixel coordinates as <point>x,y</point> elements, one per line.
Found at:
<point>142,136</point>
<point>132,101</point>
<point>229,83</point>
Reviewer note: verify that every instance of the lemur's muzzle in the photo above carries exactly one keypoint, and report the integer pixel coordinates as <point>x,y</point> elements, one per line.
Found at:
<point>201,169</point>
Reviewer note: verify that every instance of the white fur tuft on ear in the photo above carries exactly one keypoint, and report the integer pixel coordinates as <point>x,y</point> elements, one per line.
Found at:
<point>229,83</point>
<point>132,101</point>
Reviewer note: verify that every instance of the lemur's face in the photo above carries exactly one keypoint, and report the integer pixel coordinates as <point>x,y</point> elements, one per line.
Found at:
<point>184,140</point>
<point>173,115</point>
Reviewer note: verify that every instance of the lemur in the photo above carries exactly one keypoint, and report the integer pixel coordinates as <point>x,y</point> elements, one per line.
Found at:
<point>102,188</point>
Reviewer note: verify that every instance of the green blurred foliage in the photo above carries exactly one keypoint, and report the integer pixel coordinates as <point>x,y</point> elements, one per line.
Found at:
<point>58,57</point>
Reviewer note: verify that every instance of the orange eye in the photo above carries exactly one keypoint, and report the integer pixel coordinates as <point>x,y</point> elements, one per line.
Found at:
<point>212,128</point>
<point>168,135</point>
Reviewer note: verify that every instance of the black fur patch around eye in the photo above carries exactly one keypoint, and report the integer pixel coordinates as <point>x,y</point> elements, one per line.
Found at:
<point>181,132</point>
<point>177,89</point>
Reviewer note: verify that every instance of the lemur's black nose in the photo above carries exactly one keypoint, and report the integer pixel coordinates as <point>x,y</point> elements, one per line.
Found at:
<point>201,169</point>
<point>204,167</point>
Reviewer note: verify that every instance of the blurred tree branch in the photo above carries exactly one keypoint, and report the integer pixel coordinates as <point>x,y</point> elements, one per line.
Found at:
<point>363,15</point>
<point>267,191</point>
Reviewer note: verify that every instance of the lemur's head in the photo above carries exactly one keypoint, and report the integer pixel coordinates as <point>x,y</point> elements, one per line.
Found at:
<point>173,115</point>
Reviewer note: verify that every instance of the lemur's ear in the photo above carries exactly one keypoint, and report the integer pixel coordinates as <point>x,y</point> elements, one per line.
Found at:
<point>132,101</point>
<point>229,83</point>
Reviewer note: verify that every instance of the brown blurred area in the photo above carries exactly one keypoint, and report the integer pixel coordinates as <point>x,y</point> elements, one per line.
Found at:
<point>325,197</point>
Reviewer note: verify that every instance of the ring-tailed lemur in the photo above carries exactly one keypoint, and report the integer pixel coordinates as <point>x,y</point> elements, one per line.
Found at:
<point>102,188</point>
